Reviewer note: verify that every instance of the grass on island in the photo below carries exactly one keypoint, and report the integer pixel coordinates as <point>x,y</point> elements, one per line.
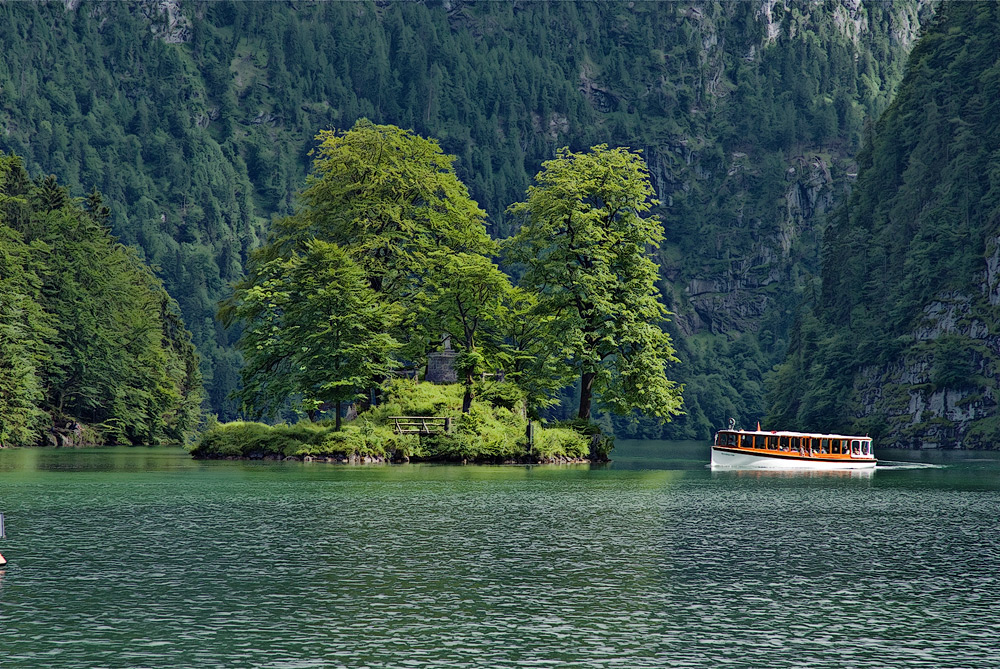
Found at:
<point>494,430</point>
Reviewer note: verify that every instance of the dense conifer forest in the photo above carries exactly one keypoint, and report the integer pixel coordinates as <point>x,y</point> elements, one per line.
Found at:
<point>901,339</point>
<point>92,349</point>
<point>196,121</point>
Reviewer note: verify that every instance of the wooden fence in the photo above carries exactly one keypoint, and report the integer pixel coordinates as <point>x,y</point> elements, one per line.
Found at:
<point>421,424</point>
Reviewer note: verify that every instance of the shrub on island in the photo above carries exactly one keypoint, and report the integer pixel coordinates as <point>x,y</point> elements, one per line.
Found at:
<point>494,431</point>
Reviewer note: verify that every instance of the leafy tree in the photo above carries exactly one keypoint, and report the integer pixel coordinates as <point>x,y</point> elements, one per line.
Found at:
<point>385,207</point>
<point>585,246</point>
<point>25,332</point>
<point>466,296</point>
<point>24,338</point>
<point>389,198</point>
<point>314,330</point>
<point>539,369</point>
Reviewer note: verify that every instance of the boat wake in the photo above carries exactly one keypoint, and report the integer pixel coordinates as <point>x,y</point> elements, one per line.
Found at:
<point>900,464</point>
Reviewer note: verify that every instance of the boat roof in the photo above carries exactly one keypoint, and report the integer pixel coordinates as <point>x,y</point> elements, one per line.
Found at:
<point>785,433</point>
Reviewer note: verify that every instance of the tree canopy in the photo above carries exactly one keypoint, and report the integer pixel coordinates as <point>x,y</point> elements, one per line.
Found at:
<point>585,245</point>
<point>389,254</point>
<point>390,198</point>
<point>315,331</point>
<point>467,298</point>
<point>383,206</point>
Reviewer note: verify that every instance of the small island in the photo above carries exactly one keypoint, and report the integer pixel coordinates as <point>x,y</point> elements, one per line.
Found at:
<point>387,272</point>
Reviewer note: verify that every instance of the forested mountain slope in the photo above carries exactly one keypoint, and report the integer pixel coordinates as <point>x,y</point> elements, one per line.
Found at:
<point>903,337</point>
<point>196,121</point>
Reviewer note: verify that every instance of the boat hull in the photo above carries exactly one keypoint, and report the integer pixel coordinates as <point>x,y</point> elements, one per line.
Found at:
<point>723,458</point>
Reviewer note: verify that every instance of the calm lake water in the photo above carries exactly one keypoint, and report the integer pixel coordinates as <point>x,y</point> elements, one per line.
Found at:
<point>145,558</point>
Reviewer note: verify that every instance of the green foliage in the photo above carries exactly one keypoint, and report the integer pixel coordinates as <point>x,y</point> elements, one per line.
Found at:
<point>365,440</point>
<point>952,366</point>
<point>468,298</point>
<point>561,441</point>
<point>390,198</point>
<point>538,369</point>
<point>405,397</point>
<point>313,329</point>
<point>88,333</point>
<point>584,244</point>
<point>487,433</point>
<point>24,338</point>
<point>197,144</point>
<point>502,394</point>
<point>232,439</point>
<point>599,443</point>
<point>983,434</point>
<point>388,236</point>
<point>257,440</point>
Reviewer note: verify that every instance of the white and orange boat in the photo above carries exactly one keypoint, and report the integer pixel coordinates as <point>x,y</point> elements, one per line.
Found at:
<point>762,449</point>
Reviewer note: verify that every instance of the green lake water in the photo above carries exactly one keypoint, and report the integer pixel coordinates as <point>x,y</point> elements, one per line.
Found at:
<point>145,558</point>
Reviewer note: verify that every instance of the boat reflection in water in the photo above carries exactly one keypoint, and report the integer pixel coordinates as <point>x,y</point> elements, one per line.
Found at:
<point>761,449</point>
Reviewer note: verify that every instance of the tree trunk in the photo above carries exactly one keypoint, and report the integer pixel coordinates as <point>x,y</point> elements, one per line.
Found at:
<point>337,427</point>
<point>467,398</point>
<point>586,394</point>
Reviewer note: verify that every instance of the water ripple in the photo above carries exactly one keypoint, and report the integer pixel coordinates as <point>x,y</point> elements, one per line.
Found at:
<point>292,567</point>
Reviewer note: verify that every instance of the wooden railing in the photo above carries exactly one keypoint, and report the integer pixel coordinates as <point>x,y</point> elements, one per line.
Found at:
<point>421,424</point>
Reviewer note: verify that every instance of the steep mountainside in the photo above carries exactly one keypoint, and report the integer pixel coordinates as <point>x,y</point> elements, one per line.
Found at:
<point>903,337</point>
<point>196,121</point>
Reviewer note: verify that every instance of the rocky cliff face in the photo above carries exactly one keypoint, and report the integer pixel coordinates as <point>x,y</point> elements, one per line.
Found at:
<point>736,297</point>
<point>922,410</point>
<point>903,340</point>
<point>768,204</point>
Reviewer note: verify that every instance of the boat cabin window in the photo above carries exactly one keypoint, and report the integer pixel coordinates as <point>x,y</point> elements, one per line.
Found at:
<point>824,445</point>
<point>783,443</point>
<point>771,443</point>
<point>726,439</point>
<point>855,447</point>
